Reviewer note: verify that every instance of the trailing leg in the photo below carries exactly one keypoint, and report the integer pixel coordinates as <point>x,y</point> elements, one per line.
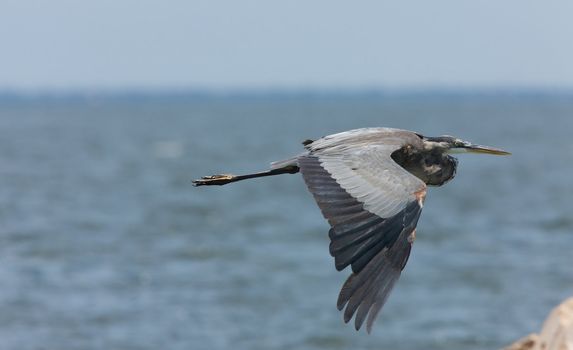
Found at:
<point>224,179</point>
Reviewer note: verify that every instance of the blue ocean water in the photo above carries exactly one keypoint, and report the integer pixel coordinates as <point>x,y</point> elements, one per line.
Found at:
<point>104,243</point>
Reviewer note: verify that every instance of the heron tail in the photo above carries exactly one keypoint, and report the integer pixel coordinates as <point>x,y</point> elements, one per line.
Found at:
<point>224,179</point>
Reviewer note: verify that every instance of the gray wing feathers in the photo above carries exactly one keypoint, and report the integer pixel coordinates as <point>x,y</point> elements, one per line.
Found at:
<point>360,161</point>
<point>362,137</point>
<point>376,248</point>
<point>286,162</point>
<point>371,176</point>
<point>372,205</point>
<point>366,291</point>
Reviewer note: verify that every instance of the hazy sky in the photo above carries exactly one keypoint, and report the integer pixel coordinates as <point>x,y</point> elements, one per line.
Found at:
<point>96,44</point>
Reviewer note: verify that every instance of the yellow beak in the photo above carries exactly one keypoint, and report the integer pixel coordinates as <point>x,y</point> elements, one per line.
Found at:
<point>486,150</point>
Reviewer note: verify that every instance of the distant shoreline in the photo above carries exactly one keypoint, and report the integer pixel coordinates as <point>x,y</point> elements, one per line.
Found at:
<point>279,94</point>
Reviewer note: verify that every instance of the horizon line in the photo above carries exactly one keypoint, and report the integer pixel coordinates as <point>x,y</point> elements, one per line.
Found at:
<point>279,91</point>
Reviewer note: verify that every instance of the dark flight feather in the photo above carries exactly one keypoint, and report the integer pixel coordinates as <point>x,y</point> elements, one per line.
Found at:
<point>376,248</point>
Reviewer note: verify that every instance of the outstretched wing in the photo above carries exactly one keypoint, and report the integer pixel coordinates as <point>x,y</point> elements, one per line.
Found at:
<point>373,206</point>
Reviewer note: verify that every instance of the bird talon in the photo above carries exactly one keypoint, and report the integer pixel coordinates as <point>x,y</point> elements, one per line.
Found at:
<point>220,179</point>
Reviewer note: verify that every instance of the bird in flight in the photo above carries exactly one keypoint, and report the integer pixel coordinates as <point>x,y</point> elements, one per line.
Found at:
<point>370,184</point>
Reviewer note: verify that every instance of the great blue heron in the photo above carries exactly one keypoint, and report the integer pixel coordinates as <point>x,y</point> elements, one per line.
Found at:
<point>370,185</point>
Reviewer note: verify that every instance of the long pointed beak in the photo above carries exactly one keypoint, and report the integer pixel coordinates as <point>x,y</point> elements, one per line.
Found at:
<point>486,150</point>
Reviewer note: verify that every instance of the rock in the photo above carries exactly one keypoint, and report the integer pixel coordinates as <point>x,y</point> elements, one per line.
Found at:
<point>526,343</point>
<point>556,334</point>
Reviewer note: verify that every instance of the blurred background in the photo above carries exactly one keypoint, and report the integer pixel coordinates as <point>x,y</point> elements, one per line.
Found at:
<point>109,109</point>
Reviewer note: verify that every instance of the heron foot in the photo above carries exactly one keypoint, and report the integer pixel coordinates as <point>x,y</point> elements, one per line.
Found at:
<point>221,179</point>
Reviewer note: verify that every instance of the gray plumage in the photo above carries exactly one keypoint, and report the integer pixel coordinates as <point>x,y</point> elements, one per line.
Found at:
<point>370,184</point>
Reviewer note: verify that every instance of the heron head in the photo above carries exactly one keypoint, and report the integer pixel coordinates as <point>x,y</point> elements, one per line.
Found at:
<point>450,144</point>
